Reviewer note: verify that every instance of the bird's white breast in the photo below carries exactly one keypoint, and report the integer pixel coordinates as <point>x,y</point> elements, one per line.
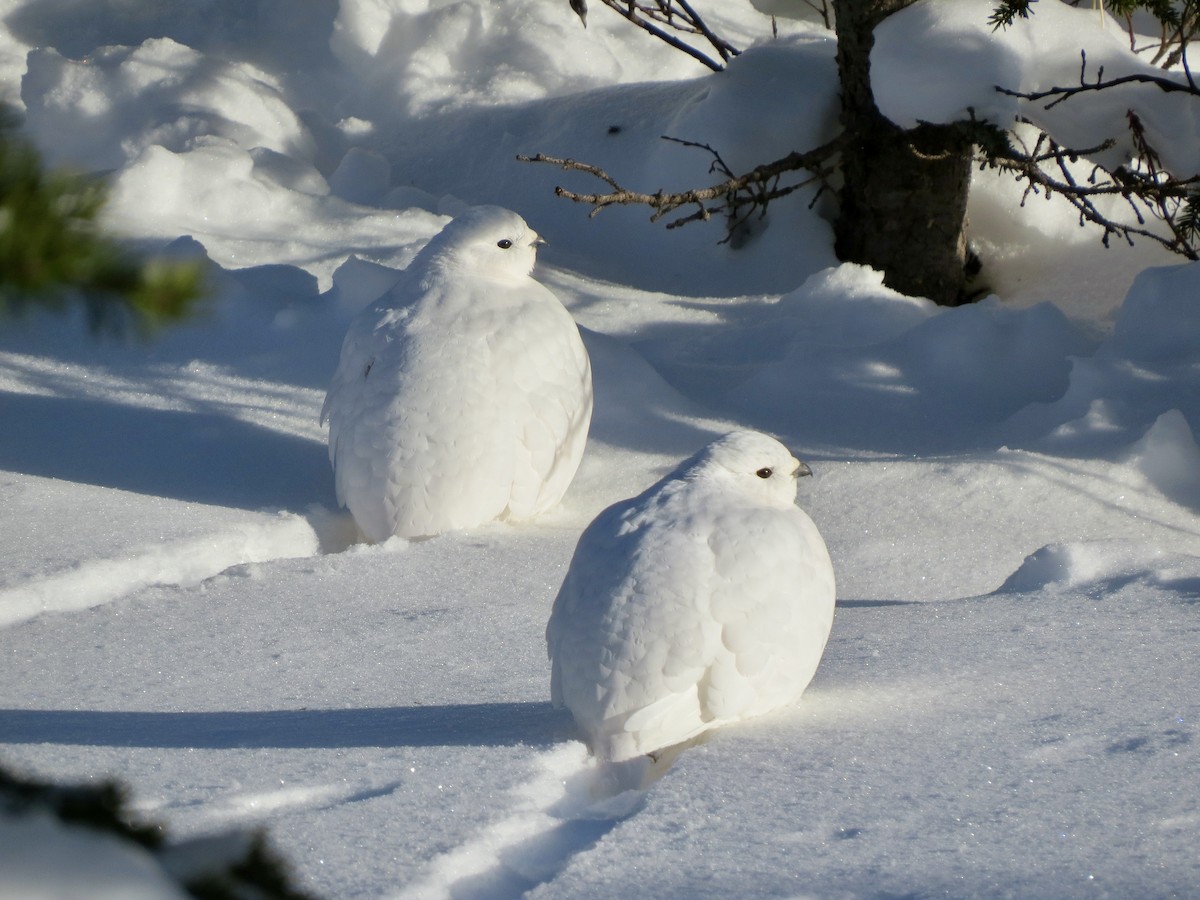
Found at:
<point>685,609</point>
<point>466,403</point>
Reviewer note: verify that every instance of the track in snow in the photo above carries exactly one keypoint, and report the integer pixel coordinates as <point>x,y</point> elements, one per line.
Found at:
<point>563,810</point>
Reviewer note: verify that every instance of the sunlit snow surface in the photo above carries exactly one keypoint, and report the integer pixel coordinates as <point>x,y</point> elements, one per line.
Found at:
<point>1010,491</point>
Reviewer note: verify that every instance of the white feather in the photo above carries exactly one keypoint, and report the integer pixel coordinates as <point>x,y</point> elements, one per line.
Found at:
<point>464,394</point>
<point>705,600</point>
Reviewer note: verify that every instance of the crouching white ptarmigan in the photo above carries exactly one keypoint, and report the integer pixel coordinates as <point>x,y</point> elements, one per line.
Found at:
<point>704,601</point>
<point>462,395</point>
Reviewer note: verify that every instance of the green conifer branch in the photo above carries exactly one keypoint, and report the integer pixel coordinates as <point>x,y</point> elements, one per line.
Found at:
<point>53,250</point>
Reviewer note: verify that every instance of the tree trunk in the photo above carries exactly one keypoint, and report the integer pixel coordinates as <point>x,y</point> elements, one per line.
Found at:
<point>904,196</point>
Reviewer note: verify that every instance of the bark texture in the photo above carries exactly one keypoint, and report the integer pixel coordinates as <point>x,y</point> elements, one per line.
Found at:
<point>904,195</point>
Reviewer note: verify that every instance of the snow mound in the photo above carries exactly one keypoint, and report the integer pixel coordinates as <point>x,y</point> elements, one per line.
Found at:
<point>103,111</point>
<point>1159,322</point>
<point>849,305</point>
<point>1147,368</point>
<point>183,563</point>
<point>796,73</point>
<point>1081,565</point>
<point>1169,459</point>
<point>440,56</point>
<point>843,344</point>
<point>916,49</point>
<point>205,191</point>
<point>435,56</point>
<point>906,94</point>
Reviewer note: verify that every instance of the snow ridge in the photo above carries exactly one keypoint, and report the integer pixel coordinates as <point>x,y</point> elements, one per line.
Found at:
<point>180,563</point>
<point>564,809</point>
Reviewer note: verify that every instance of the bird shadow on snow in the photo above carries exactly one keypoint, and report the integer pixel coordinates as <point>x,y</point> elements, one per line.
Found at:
<point>561,816</point>
<point>190,456</point>
<point>535,724</point>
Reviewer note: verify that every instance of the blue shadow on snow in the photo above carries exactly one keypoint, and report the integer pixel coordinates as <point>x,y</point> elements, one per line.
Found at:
<point>483,724</point>
<point>198,456</point>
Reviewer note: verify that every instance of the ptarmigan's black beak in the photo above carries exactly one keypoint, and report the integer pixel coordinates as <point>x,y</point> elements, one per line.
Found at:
<point>801,471</point>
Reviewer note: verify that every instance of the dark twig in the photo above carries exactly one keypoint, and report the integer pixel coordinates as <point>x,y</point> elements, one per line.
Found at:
<point>1049,168</point>
<point>676,15</point>
<point>1165,197</point>
<point>756,188</point>
<point>718,164</point>
<point>722,46</point>
<point>1060,94</point>
<point>1147,187</point>
<point>821,7</point>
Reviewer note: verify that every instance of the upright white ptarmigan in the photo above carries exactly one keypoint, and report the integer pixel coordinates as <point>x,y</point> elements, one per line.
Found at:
<point>705,600</point>
<point>462,395</point>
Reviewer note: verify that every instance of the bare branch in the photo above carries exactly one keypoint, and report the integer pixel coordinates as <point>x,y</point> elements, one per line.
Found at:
<point>822,10</point>
<point>1148,189</point>
<point>1060,94</point>
<point>722,46</point>
<point>1187,69</point>
<point>756,188</point>
<point>1145,185</point>
<point>718,164</point>
<point>676,15</point>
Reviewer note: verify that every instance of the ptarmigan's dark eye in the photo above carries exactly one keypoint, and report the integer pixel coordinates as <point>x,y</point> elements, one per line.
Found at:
<point>504,244</point>
<point>764,473</point>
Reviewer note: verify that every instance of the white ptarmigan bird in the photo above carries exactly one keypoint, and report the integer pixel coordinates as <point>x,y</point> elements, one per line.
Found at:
<point>703,601</point>
<point>462,395</point>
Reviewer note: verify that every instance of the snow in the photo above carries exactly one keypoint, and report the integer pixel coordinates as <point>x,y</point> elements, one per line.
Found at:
<point>87,864</point>
<point>1010,491</point>
<point>1047,49</point>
